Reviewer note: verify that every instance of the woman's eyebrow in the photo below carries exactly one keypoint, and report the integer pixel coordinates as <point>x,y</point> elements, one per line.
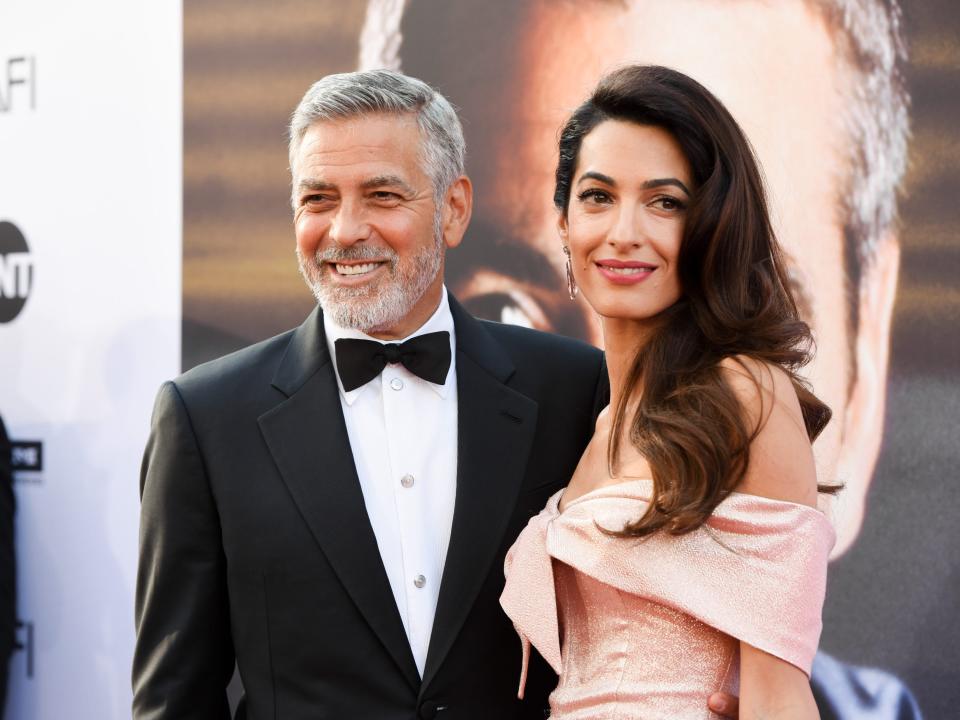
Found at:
<point>660,182</point>
<point>593,175</point>
<point>647,185</point>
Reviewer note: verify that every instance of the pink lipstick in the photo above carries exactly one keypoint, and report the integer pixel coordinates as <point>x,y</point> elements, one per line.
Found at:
<point>625,272</point>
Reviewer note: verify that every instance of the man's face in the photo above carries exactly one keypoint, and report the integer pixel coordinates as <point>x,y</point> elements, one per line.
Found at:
<point>774,66</point>
<point>368,239</point>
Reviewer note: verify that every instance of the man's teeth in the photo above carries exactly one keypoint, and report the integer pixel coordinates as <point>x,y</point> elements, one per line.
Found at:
<point>356,269</point>
<point>628,270</point>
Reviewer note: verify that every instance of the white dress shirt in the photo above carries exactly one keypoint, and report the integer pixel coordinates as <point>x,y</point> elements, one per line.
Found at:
<point>403,435</point>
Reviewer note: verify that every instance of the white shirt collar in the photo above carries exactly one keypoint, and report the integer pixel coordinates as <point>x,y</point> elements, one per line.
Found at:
<point>440,321</point>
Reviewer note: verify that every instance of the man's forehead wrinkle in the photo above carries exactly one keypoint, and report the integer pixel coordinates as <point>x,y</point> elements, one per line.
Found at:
<point>314,161</point>
<point>311,151</point>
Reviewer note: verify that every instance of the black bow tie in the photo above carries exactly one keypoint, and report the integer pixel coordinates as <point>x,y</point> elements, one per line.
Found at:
<point>360,361</point>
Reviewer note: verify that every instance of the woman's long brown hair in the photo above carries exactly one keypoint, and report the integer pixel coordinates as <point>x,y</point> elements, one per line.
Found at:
<point>688,423</point>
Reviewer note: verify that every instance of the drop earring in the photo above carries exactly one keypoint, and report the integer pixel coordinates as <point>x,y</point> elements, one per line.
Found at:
<point>572,288</point>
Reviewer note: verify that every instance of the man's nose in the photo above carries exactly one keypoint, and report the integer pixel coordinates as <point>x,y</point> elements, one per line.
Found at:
<point>349,225</point>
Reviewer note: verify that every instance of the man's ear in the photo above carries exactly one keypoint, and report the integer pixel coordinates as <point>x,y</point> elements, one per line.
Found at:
<point>457,209</point>
<point>864,412</point>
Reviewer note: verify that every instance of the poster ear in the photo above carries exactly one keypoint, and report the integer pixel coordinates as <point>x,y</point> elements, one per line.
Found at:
<point>863,416</point>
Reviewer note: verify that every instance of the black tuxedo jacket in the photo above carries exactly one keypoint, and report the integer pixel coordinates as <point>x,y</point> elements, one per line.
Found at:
<point>255,545</point>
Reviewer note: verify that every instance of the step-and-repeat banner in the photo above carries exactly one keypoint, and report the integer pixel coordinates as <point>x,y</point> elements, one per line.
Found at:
<point>850,104</point>
<point>90,227</point>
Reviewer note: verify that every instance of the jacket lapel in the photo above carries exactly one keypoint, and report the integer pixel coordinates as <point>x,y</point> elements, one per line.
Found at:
<point>308,439</point>
<point>496,430</point>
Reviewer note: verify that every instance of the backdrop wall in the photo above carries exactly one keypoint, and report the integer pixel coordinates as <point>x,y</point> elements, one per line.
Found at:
<point>90,177</point>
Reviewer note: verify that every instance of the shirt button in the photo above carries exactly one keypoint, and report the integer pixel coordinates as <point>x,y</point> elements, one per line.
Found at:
<point>396,384</point>
<point>419,581</point>
<point>407,481</point>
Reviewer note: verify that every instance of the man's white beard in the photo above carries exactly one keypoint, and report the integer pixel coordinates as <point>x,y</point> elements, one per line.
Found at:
<point>382,304</point>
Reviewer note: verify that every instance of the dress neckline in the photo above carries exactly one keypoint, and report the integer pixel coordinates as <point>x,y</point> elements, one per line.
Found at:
<point>553,504</point>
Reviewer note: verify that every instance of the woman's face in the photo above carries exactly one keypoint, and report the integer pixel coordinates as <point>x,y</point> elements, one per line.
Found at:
<point>624,222</point>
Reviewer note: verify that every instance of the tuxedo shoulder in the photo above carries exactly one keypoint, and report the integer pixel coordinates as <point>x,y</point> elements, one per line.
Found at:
<point>564,376</point>
<point>543,348</point>
<point>237,373</point>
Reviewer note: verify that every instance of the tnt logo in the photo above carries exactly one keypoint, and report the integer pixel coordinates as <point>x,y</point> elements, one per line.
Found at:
<point>16,271</point>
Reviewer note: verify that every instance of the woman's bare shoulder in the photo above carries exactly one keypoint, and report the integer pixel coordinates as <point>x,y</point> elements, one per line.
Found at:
<point>781,458</point>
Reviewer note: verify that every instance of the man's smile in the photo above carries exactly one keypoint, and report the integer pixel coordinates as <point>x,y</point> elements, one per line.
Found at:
<point>355,272</point>
<point>357,268</point>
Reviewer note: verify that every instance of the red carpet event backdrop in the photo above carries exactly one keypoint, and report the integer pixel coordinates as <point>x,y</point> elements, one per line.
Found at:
<point>145,227</point>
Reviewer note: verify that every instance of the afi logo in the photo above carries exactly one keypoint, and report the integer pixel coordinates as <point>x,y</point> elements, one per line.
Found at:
<point>25,641</point>
<point>16,271</point>
<point>18,86</point>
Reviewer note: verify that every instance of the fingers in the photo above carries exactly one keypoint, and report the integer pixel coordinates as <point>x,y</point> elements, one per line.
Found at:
<point>726,705</point>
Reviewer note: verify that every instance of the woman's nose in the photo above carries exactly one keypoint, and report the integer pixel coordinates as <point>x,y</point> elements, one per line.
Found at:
<point>627,230</point>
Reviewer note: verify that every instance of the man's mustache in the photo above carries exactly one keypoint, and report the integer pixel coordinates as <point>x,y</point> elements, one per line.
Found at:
<point>354,253</point>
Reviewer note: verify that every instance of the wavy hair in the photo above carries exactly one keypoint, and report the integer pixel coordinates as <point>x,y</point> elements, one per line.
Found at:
<point>736,302</point>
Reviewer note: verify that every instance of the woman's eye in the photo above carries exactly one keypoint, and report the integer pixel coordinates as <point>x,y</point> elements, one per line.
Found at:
<point>669,203</point>
<point>594,196</point>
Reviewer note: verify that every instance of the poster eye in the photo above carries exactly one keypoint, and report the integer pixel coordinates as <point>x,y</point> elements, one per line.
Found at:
<point>504,307</point>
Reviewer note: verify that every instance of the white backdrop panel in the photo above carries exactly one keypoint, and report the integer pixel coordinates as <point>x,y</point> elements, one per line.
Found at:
<point>90,173</point>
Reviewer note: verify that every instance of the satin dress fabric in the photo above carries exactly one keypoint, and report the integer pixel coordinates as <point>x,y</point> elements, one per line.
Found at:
<point>649,628</point>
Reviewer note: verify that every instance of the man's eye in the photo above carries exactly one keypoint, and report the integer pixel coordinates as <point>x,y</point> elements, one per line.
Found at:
<point>384,195</point>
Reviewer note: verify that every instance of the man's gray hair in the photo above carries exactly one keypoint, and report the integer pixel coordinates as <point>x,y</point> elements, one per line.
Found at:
<point>869,36</point>
<point>386,92</point>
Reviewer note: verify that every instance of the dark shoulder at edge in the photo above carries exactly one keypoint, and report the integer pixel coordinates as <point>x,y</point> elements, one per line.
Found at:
<point>255,364</point>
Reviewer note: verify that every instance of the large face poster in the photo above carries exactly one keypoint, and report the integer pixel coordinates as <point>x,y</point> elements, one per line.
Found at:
<point>851,107</point>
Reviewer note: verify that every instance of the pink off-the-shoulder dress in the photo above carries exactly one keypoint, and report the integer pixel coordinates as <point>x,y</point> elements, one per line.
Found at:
<point>649,628</point>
